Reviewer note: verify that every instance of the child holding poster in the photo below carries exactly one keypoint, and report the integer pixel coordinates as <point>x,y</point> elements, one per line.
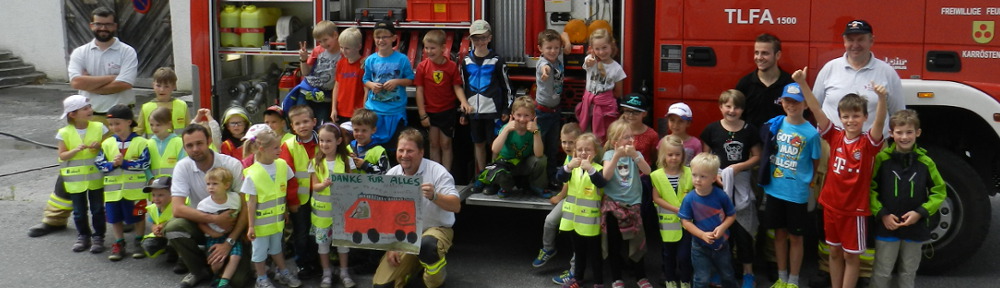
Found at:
<point>332,157</point>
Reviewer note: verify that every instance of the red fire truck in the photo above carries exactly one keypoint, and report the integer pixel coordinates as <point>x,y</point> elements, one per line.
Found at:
<point>677,50</point>
<point>373,215</point>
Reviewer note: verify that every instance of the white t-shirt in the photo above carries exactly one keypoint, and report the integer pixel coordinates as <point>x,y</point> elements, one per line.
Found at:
<point>434,173</point>
<point>597,83</point>
<point>248,187</point>
<point>209,206</point>
<point>189,181</point>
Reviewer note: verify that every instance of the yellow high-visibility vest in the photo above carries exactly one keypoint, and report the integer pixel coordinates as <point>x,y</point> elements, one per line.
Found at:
<point>582,209</point>
<point>121,183</point>
<point>163,164</point>
<point>670,224</point>
<point>269,219</point>
<point>79,173</point>
<point>322,201</point>
<point>178,115</point>
<point>301,158</point>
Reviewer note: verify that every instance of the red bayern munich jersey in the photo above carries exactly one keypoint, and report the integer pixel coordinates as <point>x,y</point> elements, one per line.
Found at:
<point>849,172</point>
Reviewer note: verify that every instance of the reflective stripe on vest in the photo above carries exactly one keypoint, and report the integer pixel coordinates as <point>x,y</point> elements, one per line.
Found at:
<point>270,212</point>
<point>121,183</point>
<point>163,164</point>
<point>301,158</point>
<point>322,201</point>
<point>582,209</point>
<point>79,173</point>
<point>178,115</point>
<point>670,225</point>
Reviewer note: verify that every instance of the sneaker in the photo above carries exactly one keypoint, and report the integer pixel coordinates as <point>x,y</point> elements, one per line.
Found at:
<point>779,284</point>
<point>790,285</point>
<point>570,283</point>
<point>562,277</point>
<point>542,192</point>
<point>97,244</point>
<point>670,284</point>
<point>644,283</point>
<point>192,280</point>
<point>477,187</point>
<point>117,251</point>
<point>347,281</point>
<point>264,283</point>
<point>326,282</point>
<point>138,254</point>
<point>501,193</point>
<point>288,279</point>
<point>685,285</point>
<point>748,281</point>
<point>618,284</point>
<point>82,242</point>
<point>543,257</point>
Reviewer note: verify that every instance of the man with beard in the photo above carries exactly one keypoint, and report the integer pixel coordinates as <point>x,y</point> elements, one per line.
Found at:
<point>763,86</point>
<point>104,71</point>
<point>189,184</point>
<point>440,203</point>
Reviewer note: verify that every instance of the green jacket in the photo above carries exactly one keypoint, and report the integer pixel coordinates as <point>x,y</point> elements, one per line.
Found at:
<point>904,182</point>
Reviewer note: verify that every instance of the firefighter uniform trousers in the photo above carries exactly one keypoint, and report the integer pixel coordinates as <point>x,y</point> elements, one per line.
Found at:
<point>59,207</point>
<point>435,243</point>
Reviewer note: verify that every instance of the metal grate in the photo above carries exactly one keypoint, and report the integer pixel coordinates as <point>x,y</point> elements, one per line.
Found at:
<point>508,31</point>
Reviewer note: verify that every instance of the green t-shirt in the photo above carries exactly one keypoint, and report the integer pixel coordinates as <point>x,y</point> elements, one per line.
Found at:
<point>518,146</point>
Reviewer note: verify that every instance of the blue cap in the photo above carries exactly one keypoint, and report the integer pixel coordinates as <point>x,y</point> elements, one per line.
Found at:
<point>793,91</point>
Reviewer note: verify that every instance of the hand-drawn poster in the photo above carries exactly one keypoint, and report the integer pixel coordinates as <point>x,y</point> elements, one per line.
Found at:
<point>376,212</point>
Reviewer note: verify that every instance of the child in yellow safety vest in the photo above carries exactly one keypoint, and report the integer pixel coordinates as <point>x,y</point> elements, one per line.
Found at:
<point>124,160</point>
<point>78,145</point>
<point>266,185</point>
<point>164,83</point>
<point>582,210</point>
<point>165,147</point>
<point>333,157</point>
<point>155,243</point>
<point>670,184</point>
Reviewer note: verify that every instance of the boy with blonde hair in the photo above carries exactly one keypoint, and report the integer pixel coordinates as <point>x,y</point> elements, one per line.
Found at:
<point>348,91</point>
<point>439,83</point>
<point>164,83</point>
<point>707,214</point>
<point>318,67</point>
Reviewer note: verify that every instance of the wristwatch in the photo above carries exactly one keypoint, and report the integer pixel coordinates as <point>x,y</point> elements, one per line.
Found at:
<point>534,131</point>
<point>231,241</point>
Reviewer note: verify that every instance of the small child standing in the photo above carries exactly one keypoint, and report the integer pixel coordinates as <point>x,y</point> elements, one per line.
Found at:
<point>237,122</point>
<point>439,83</point>
<point>582,210</point>
<point>679,118</point>
<point>274,117</point>
<point>348,90</point>
<point>486,85</point>
<point>217,182</point>
<point>298,153</point>
<point>519,147</point>
<point>368,157</point>
<point>155,243</point>
<point>164,83</point>
<point>567,136</point>
<point>707,215</point>
<point>387,73</point>
<point>165,148</point>
<point>319,68</point>
<point>604,84</point>
<point>266,186</point>
<point>846,192</point>
<point>737,144</point>
<point>902,207</point>
<point>620,207</point>
<point>124,159</point>
<point>333,157</point>
<point>671,183</point>
<point>549,72</point>
<point>79,143</point>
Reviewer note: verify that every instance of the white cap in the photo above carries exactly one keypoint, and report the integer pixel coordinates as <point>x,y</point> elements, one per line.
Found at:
<point>256,129</point>
<point>348,126</point>
<point>479,27</point>
<point>73,103</point>
<point>680,109</point>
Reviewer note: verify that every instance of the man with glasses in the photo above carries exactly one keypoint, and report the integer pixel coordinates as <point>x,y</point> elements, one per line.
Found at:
<point>104,71</point>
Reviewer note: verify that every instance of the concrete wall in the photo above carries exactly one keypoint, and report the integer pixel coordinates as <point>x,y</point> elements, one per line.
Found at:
<point>34,31</point>
<point>180,23</point>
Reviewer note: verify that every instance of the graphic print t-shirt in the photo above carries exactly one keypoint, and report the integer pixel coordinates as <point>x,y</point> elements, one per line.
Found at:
<point>380,70</point>
<point>792,165</point>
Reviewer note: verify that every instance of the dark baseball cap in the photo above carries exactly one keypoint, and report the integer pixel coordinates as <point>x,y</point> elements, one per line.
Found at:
<point>158,183</point>
<point>858,27</point>
<point>634,101</point>
<point>385,24</point>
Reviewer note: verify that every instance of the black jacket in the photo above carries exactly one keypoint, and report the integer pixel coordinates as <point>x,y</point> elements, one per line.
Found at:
<point>904,182</point>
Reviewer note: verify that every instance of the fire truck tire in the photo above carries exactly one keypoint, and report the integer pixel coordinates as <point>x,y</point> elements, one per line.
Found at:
<point>959,227</point>
<point>373,235</point>
<point>357,237</point>
<point>400,235</point>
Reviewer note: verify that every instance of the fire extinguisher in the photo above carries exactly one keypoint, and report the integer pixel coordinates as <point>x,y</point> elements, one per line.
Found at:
<point>289,79</point>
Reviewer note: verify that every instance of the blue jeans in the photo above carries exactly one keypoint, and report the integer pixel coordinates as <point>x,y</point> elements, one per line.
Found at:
<point>707,261</point>
<point>549,123</point>
<point>306,248</point>
<point>96,208</point>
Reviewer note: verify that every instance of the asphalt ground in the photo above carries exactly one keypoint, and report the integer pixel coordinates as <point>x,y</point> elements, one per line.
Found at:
<point>493,246</point>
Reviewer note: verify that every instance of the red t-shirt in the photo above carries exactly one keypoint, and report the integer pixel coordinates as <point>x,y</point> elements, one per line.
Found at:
<point>439,84</point>
<point>350,90</point>
<point>849,172</point>
<point>646,143</point>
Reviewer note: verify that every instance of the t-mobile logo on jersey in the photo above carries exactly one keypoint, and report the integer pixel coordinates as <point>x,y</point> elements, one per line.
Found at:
<point>838,164</point>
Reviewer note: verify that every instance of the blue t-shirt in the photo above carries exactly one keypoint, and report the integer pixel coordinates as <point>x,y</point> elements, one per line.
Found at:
<point>624,185</point>
<point>792,165</point>
<point>707,212</point>
<point>381,69</point>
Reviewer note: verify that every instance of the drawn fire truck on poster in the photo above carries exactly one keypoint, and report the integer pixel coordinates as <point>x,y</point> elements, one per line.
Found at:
<point>371,213</point>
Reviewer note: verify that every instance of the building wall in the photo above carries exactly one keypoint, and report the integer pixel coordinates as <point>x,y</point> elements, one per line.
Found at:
<point>34,31</point>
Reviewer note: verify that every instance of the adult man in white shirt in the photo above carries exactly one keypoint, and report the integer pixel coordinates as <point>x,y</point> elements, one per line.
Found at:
<point>105,69</point>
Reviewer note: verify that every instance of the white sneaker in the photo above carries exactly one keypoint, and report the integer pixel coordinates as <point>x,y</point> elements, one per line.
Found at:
<point>327,281</point>
<point>288,279</point>
<point>346,279</point>
<point>264,283</point>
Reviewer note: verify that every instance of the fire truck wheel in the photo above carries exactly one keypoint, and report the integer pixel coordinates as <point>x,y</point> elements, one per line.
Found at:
<point>400,235</point>
<point>959,227</point>
<point>373,235</point>
<point>357,237</point>
<point>411,237</point>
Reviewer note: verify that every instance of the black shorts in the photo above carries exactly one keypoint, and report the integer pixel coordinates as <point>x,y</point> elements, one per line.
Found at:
<point>482,130</point>
<point>444,120</point>
<point>781,214</point>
